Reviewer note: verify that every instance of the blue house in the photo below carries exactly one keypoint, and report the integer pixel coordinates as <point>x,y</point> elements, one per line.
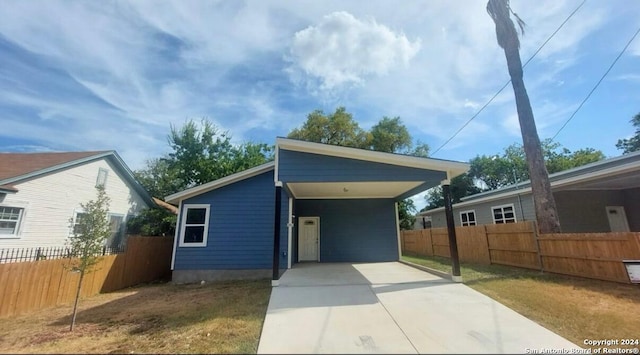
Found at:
<point>314,203</point>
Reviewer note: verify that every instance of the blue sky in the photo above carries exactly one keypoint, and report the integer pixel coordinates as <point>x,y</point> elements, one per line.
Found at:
<point>89,75</point>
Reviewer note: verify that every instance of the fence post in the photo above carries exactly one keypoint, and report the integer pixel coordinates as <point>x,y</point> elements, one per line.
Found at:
<point>486,239</point>
<point>534,227</point>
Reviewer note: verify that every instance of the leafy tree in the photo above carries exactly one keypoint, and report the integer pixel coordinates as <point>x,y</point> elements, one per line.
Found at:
<point>632,144</point>
<point>89,233</point>
<point>406,214</point>
<point>390,135</point>
<point>461,186</point>
<point>507,36</point>
<point>511,166</point>
<point>338,128</point>
<point>153,222</point>
<point>200,153</point>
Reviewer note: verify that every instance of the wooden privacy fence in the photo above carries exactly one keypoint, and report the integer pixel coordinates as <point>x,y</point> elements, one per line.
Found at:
<point>592,255</point>
<point>30,286</point>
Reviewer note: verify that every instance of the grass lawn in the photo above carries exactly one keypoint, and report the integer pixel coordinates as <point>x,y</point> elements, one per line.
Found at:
<point>223,317</point>
<point>575,308</point>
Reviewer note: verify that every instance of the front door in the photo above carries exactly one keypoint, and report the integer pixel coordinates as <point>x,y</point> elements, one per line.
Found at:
<point>617,219</point>
<point>308,239</point>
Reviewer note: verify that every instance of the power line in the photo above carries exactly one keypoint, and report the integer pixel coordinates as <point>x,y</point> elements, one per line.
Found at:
<point>597,84</point>
<point>507,83</point>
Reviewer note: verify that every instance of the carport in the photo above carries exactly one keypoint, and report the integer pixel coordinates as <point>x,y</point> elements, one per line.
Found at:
<point>391,308</point>
<point>343,202</point>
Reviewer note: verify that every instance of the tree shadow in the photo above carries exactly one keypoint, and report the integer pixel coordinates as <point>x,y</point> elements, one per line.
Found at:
<point>153,307</point>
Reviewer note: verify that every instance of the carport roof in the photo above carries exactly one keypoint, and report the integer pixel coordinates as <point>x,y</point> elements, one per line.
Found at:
<point>451,168</point>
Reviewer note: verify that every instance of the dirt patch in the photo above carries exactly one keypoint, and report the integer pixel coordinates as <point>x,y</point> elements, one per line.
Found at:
<point>213,318</point>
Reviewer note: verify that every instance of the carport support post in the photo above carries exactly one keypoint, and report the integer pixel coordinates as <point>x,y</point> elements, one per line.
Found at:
<point>276,238</point>
<point>451,227</point>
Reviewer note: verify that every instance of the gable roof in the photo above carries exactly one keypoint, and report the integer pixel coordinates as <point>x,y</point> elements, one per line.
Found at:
<point>618,166</point>
<point>18,164</point>
<point>17,167</point>
<point>453,168</point>
<point>216,184</point>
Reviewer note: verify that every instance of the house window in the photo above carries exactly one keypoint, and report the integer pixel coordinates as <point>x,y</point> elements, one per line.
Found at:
<point>195,226</point>
<point>102,177</point>
<point>468,218</point>
<point>116,226</point>
<point>77,217</point>
<point>10,221</point>
<point>503,214</point>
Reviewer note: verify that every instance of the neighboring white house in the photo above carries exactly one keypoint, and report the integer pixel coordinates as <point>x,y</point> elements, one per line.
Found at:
<point>41,192</point>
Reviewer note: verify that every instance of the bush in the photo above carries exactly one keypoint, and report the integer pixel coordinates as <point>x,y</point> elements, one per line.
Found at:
<point>153,222</point>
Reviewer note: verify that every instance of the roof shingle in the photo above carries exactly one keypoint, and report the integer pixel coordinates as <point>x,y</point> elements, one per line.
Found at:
<point>18,164</point>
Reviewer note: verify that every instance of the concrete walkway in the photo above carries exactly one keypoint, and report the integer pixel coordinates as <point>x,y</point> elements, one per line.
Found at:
<point>391,308</point>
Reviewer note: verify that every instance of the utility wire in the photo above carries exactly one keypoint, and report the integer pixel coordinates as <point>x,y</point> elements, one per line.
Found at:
<point>507,83</point>
<point>597,84</point>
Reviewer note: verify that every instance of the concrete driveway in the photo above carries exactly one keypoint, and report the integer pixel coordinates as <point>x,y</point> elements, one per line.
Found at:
<point>391,308</point>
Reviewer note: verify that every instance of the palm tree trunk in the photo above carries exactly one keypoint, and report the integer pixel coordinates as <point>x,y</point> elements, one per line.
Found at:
<point>544,202</point>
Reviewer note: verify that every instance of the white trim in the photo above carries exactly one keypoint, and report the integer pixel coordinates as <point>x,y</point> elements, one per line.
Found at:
<point>216,184</point>
<point>289,232</point>
<point>183,226</point>
<point>18,228</point>
<point>175,238</point>
<point>398,231</point>
<point>513,208</point>
<point>276,175</point>
<point>317,219</point>
<point>453,168</point>
<point>446,181</point>
<point>475,218</point>
<point>278,183</point>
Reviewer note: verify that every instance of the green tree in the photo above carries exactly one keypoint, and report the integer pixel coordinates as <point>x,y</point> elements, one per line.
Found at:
<point>390,135</point>
<point>461,186</point>
<point>511,166</point>
<point>338,128</point>
<point>406,214</point>
<point>153,222</point>
<point>632,144</point>
<point>507,36</point>
<point>89,232</point>
<point>200,153</point>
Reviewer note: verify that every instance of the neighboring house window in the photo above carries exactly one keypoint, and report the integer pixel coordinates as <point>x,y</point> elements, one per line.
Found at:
<point>195,225</point>
<point>503,214</point>
<point>117,230</point>
<point>102,177</point>
<point>10,221</point>
<point>77,217</point>
<point>468,218</point>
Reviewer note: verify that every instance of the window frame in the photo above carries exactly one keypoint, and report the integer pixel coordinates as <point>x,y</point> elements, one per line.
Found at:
<point>183,225</point>
<point>106,176</point>
<point>502,207</point>
<point>18,227</point>
<point>76,212</point>
<point>475,218</point>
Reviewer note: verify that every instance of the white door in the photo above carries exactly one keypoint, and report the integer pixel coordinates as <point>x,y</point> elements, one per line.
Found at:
<point>617,219</point>
<point>308,238</point>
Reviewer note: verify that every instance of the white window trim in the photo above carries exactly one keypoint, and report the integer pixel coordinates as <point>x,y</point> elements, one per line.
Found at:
<point>106,176</point>
<point>513,208</point>
<point>183,226</point>
<point>475,218</point>
<point>16,234</point>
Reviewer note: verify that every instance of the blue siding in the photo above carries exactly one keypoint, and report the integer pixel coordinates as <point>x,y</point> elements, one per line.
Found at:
<point>353,230</point>
<point>241,225</point>
<point>307,167</point>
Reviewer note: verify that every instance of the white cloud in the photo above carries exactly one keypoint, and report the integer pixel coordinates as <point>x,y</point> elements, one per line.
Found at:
<point>343,50</point>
